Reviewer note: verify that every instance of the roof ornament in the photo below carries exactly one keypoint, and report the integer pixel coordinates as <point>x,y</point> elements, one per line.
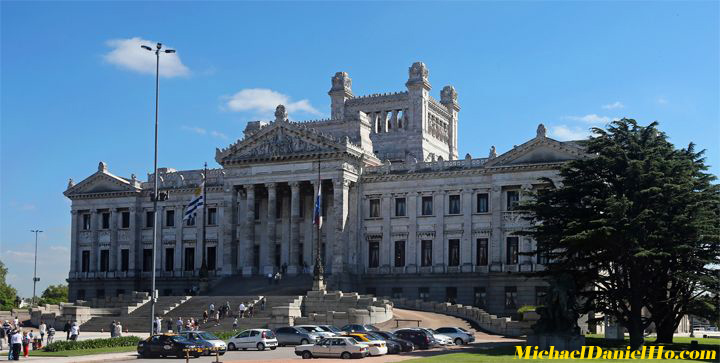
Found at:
<point>280,114</point>
<point>102,167</point>
<point>541,131</point>
<point>467,156</point>
<point>493,153</point>
<point>71,183</point>
<point>133,178</point>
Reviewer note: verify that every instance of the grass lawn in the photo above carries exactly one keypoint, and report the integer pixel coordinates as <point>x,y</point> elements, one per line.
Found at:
<point>676,340</point>
<point>73,353</point>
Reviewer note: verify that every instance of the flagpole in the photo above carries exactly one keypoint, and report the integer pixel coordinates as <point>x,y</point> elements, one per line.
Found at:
<point>318,283</point>
<point>203,266</point>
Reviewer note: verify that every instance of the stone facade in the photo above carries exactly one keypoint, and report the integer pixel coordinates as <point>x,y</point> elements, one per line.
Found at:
<point>402,215</point>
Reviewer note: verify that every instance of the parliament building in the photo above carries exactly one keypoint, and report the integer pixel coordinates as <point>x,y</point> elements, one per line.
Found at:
<point>403,214</point>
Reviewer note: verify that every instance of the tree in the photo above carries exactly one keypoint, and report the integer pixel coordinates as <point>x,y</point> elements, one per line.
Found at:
<point>8,294</point>
<point>632,224</point>
<point>54,294</point>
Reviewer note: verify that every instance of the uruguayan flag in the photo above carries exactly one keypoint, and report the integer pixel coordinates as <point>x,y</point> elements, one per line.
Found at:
<point>317,210</point>
<point>197,202</point>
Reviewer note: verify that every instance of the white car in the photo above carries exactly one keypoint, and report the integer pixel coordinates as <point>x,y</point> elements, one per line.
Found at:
<point>315,329</point>
<point>259,339</point>
<point>375,347</point>
<point>440,338</point>
<point>335,347</point>
<point>459,335</point>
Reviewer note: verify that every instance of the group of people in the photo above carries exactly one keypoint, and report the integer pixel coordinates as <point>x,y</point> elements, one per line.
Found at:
<point>115,329</point>
<point>274,278</point>
<point>20,341</point>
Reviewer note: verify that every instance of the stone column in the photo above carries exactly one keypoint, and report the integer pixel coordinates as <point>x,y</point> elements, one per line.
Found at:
<point>267,250</point>
<point>466,243</point>
<point>135,238</point>
<point>412,245</point>
<point>294,227</point>
<point>239,233</point>
<point>94,251</point>
<point>114,245</point>
<point>386,244</point>
<point>177,247</point>
<point>74,240</point>
<point>340,213</point>
<point>496,239</point>
<point>249,241</point>
<point>440,246</point>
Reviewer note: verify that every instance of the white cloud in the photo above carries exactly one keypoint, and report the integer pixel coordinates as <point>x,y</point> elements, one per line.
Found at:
<point>202,131</point>
<point>592,119</point>
<point>126,53</point>
<point>20,255</point>
<point>264,101</point>
<point>661,100</point>
<point>614,105</point>
<point>60,249</point>
<point>218,134</point>
<point>566,133</point>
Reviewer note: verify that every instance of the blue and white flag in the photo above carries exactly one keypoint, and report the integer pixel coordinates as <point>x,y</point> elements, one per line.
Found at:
<point>317,211</point>
<point>197,202</point>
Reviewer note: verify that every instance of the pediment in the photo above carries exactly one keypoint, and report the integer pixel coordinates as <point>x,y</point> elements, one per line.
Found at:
<point>102,182</point>
<point>540,150</point>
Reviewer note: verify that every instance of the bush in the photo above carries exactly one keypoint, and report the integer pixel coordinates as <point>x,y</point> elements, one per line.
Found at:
<point>92,344</point>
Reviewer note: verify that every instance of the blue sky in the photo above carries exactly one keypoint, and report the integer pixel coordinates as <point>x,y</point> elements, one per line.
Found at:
<point>76,89</point>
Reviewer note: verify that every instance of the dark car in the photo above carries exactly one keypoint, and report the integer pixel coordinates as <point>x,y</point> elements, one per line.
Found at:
<point>393,346</point>
<point>166,345</point>
<point>358,328</point>
<point>420,338</point>
<point>290,335</point>
<point>405,345</point>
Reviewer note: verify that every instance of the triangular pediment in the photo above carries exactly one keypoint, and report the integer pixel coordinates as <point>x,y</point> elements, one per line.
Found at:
<point>540,150</point>
<point>102,182</point>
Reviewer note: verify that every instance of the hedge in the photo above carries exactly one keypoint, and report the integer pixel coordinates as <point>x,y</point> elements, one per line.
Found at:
<point>127,341</point>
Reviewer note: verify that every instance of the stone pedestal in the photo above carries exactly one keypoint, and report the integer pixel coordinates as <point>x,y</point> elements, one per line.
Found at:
<point>558,341</point>
<point>614,331</point>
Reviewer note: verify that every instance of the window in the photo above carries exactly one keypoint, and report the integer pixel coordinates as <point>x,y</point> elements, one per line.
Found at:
<point>104,260</point>
<point>324,208</point>
<point>106,220</point>
<point>540,293</point>
<point>510,297</point>
<point>85,264</point>
<point>513,196</point>
<point>454,205</point>
<point>374,208</point>
<point>147,259</point>
<point>397,292</point>
<point>399,253</point>
<point>189,259</point>
<point>124,259</point>
<point>426,253</point>
<point>149,219</point>
<point>480,297</point>
<point>169,259</point>
<point>86,222</point>
<point>482,203</point>
<point>451,294</point>
<point>482,252</point>
<point>170,218</point>
<point>211,258</point>
<point>212,216</point>
<point>125,219</point>
<point>454,252</point>
<point>400,207</point>
<point>81,294</point>
<point>427,206</point>
<point>541,256</point>
<point>374,254</point>
<point>512,250</point>
<point>424,293</point>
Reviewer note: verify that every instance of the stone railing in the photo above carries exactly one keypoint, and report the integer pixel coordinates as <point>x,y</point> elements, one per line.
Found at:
<point>487,322</point>
<point>338,308</point>
<point>426,166</point>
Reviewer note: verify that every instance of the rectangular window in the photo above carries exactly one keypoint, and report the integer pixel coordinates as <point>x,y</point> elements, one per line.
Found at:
<point>373,254</point>
<point>427,206</point>
<point>512,250</point>
<point>540,293</point>
<point>211,258</point>
<point>510,297</point>
<point>513,197</point>
<point>323,205</point>
<point>400,207</point>
<point>106,220</point>
<point>125,220</point>
<point>212,216</point>
<point>482,203</point>
<point>451,294</point>
<point>169,218</point>
<point>374,208</point>
<point>85,264</point>
<point>454,252</point>
<point>149,219</point>
<point>86,222</point>
<point>189,264</point>
<point>424,293</point>
<point>480,297</point>
<point>426,253</point>
<point>147,259</point>
<point>81,294</point>
<point>104,260</point>
<point>399,253</point>
<point>454,205</point>
<point>397,292</point>
<point>541,255</point>
<point>169,259</point>
<point>124,260</point>
<point>482,252</point>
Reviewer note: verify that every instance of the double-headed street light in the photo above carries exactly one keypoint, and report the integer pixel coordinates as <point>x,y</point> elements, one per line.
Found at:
<point>35,278</point>
<point>157,51</point>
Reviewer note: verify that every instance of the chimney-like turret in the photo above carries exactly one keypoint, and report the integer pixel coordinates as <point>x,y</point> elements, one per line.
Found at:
<point>340,92</point>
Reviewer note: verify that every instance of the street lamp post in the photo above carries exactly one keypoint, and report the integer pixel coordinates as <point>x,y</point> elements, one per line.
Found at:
<point>35,278</point>
<point>153,299</point>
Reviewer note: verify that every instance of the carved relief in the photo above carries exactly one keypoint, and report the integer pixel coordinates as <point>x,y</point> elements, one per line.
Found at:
<point>104,236</point>
<point>278,144</point>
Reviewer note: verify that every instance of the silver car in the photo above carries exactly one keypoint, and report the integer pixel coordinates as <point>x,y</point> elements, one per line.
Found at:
<point>208,341</point>
<point>290,335</point>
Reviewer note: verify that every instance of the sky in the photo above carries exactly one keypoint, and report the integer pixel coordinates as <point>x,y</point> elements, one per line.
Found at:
<point>77,89</point>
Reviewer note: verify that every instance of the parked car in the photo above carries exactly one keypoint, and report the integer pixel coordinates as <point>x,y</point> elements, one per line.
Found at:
<point>441,339</point>
<point>352,328</point>
<point>405,345</point>
<point>317,330</point>
<point>331,329</point>
<point>165,345</point>
<point>259,339</point>
<point>418,337</point>
<point>290,335</point>
<point>335,347</point>
<point>208,341</point>
<point>375,347</point>
<point>393,347</point>
<point>459,335</point>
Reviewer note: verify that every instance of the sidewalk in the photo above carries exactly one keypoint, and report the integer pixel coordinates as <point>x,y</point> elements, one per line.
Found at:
<point>106,357</point>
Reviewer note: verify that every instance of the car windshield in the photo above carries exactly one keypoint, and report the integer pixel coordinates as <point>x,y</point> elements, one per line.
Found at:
<point>463,330</point>
<point>433,331</point>
<point>330,328</point>
<point>269,334</point>
<point>208,336</point>
<point>352,340</point>
<point>374,336</point>
<point>371,327</point>
<point>310,329</point>
<point>179,339</point>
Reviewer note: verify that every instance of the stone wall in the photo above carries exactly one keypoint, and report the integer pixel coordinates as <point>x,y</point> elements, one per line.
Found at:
<point>337,308</point>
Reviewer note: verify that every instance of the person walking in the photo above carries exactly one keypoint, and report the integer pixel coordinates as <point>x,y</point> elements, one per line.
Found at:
<point>16,342</point>
<point>118,330</point>
<point>112,329</point>
<point>16,323</point>
<point>51,335</point>
<point>205,316</point>
<point>212,309</point>
<point>262,304</point>
<point>241,310</point>
<point>66,329</point>
<point>25,344</point>
<point>74,331</point>
<point>179,324</point>
<point>235,324</point>
<point>43,331</point>
<point>158,325</point>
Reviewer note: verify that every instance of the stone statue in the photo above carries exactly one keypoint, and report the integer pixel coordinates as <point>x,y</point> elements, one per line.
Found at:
<point>341,81</point>
<point>558,315</point>
<point>418,72</point>
<point>541,131</point>
<point>71,183</point>
<point>280,113</point>
<point>448,95</point>
<point>102,166</point>
<point>493,153</point>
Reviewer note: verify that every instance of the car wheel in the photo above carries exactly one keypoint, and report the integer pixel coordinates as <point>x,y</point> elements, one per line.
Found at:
<point>345,355</point>
<point>307,355</point>
<point>244,349</point>
<point>260,346</point>
<point>304,341</point>
<point>232,346</point>
<point>197,355</point>
<point>458,341</point>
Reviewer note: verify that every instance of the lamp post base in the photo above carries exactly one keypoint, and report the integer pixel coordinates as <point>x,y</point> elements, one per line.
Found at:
<point>318,284</point>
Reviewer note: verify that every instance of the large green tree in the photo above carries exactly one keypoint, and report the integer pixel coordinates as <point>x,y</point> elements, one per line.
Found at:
<point>8,294</point>
<point>633,223</point>
<point>54,294</point>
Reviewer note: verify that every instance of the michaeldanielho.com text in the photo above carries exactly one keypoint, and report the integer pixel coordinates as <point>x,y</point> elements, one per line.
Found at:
<point>594,352</point>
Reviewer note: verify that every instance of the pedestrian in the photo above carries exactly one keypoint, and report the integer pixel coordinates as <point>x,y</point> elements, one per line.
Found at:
<point>118,330</point>
<point>306,270</point>
<point>179,324</point>
<point>262,304</point>
<point>241,310</point>
<point>235,324</point>
<point>16,341</point>
<point>276,278</point>
<point>74,331</point>
<point>43,331</point>
<point>3,336</point>
<point>205,316</point>
<point>250,310</point>
<point>217,318</point>
<point>112,329</point>
<point>16,323</point>
<point>66,329</point>
<point>25,344</point>
<point>51,335</point>
<point>158,325</point>
<point>212,309</point>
